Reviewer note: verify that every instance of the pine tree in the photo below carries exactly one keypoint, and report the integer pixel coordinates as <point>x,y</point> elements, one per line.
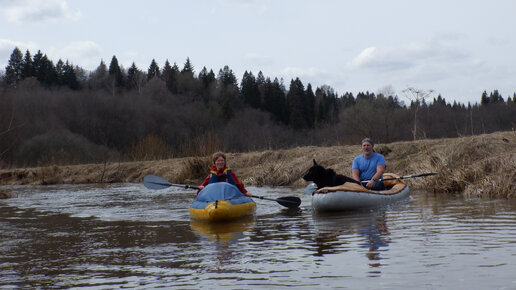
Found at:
<point>296,104</point>
<point>46,72</point>
<point>69,77</point>
<point>28,66</point>
<point>309,106</point>
<point>170,76</point>
<point>274,100</point>
<point>135,78</point>
<point>495,97</point>
<point>115,73</point>
<point>60,72</point>
<point>14,68</point>
<point>153,70</point>
<point>249,90</point>
<point>37,63</point>
<point>188,69</point>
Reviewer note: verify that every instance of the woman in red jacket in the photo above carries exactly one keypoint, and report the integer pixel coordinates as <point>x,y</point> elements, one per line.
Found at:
<point>219,172</point>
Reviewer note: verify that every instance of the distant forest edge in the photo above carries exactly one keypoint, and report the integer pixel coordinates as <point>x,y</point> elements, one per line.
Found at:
<point>62,114</point>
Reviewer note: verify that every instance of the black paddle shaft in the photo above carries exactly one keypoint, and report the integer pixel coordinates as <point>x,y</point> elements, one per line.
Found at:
<point>404,177</point>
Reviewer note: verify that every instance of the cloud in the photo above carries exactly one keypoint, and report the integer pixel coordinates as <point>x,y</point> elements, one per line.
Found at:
<point>414,56</point>
<point>86,54</point>
<point>7,46</point>
<point>22,11</point>
<point>258,60</point>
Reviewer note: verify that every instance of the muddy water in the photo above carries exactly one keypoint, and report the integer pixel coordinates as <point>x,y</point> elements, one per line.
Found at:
<point>126,236</point>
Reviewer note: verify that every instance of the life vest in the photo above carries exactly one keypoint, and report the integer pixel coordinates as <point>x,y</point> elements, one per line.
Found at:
<point>224,177</point>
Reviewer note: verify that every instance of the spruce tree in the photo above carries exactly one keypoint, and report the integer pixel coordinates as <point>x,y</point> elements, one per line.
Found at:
<point>249,90</point>
<point>14,68</point>
<point>296,104</point>
<point>115,73</point>
<point>69,77</point>
<point>309,110</point>
<point>153,70</point>
<point>28,66</point>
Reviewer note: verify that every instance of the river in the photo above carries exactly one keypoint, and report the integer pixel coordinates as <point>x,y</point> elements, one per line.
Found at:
<point>127,236</point>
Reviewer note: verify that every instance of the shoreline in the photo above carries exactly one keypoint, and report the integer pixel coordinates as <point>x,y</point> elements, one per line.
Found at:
<point>481,165</point>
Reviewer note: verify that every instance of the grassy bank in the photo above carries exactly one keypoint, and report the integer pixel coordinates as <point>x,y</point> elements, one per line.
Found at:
<point>483,165</point>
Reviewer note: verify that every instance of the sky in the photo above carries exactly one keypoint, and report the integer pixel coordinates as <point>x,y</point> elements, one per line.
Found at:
<point>455,48</point>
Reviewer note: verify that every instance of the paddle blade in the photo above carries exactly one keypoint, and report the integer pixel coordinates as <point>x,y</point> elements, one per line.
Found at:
<point>289,201</point>
<point>309,189</point>
<point>155,182</point>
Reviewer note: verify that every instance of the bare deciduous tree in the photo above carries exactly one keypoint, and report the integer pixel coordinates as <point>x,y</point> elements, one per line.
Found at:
<point>417,96</point>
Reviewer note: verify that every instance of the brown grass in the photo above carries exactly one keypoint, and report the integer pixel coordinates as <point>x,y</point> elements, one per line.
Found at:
<point>483,166</point>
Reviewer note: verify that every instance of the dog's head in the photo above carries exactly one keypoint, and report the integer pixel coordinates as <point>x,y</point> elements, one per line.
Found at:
<point>315,173</point>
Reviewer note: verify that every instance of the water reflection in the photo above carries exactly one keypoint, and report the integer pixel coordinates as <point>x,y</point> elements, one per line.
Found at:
<point>340,232</point>
<point>124,236</point>
<point>223,235</point>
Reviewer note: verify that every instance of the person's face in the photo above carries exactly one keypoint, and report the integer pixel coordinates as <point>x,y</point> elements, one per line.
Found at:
<point>367,148</point>
<point>220,163</point>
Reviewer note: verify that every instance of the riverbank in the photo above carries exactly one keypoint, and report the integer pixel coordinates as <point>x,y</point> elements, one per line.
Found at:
<point>483,165</point>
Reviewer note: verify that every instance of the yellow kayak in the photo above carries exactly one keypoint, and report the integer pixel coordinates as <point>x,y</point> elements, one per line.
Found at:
<point>221,201</point>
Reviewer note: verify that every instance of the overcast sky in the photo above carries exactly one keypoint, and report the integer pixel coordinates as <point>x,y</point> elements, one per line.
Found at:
<point>458,48</point>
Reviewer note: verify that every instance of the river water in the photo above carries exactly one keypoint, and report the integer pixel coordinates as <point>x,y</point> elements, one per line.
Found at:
<point>126,236</point>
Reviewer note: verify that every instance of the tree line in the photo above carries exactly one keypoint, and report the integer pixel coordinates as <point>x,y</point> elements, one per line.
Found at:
<point>63,114</point>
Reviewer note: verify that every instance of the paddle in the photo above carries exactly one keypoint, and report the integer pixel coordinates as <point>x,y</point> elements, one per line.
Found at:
<point>155,182</point>
<point>403,177</point>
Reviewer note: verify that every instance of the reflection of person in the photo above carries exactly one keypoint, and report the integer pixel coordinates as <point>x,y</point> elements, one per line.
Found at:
<point>377,236</point>
<point>369,166</point>
<point>219,172</point>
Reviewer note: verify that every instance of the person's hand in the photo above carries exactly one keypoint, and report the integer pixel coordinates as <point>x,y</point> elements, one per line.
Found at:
<point>201,187</point>
<point>370,183</point>
<point>248,194</point>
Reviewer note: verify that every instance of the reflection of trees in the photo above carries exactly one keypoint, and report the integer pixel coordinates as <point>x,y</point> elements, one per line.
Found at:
<point>42,248</point>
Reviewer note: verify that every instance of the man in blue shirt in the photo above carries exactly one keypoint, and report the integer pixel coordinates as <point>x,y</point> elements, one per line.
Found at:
<point>369,166</point>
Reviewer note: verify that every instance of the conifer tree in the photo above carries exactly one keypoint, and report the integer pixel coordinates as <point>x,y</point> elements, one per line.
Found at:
<point>60,71</point>
<point>249,90</point>
<point>274,100</point>
<point>69,77</point>
<point>227,85</point>
<point>296,104</point>
<point>484,99</point>
<point>309,110</point>
<point>46,71</point>
<point>153,70</point>
<point>135,78</point>
<point>28,66</point>
<point>170,75</point>
<point>115,73</point>
<point>14,68</point>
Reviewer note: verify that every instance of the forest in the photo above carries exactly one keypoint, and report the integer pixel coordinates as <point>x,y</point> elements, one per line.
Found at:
<point>57,114</point>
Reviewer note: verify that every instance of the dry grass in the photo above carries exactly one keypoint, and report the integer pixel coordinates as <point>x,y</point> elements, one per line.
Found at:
<point>151,147</point>
<point>483,166</point>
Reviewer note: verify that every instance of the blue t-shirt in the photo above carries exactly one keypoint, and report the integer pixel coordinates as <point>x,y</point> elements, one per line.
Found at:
<point>367,166</point>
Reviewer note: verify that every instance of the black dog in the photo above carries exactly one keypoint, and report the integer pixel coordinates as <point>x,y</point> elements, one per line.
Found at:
<point>326,177</point>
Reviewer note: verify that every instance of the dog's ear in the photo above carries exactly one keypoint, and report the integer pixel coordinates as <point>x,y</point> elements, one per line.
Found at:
<point>315,163</point>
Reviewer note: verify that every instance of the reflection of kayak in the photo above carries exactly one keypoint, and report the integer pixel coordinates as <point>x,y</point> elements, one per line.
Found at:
<point>221,201</point>
<point>350,196</point>
<point>222,231</point>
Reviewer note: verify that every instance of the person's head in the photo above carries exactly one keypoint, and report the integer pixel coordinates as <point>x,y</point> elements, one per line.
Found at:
<point>219,160</point>
<point>367,146</point>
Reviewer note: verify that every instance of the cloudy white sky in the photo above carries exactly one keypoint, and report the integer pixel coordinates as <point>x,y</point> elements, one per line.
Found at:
<point>458,48</point>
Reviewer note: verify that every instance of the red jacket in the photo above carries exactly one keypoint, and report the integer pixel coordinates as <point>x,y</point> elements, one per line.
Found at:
<point>221,173</point>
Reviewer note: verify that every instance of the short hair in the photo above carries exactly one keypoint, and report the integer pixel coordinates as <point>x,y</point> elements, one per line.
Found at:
<point>216,156</point>
<point>369,140</point>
